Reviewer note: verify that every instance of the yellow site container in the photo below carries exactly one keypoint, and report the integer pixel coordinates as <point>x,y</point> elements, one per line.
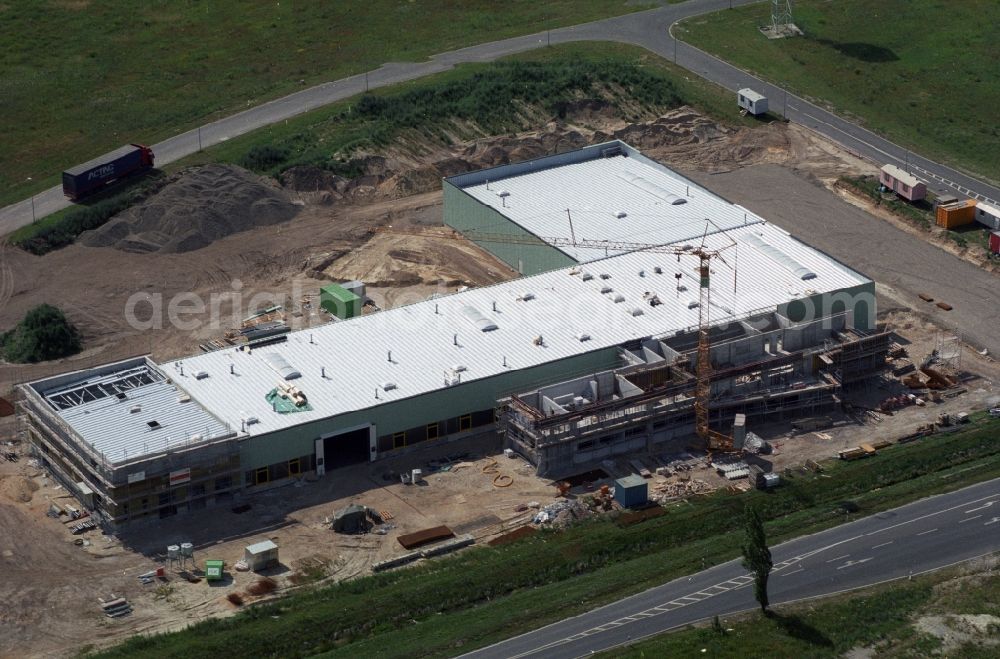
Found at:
<point>957,214</point>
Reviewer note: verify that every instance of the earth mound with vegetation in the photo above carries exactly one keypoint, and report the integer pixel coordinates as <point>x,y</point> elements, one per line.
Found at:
<point>43,334</point>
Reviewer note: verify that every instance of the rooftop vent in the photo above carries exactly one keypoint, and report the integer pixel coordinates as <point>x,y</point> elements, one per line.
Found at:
<point>692,305</point>
<point>605,275</point>
<point>652,188</point>
<point>183,398</point>
<point>637,311</point>
<point>618,297</point>
<point>153,425</point>
<point>278,363</point>
<point>586,276</point>
<point>387,386</point>
<point>200,375</point>
<point>606,289</point>
<point>503,193</point>
<point>620,214</point>
<point>479,320</point>
<point>582,336</point>
<point>783,259</point>
<point>120,396</point>
<point>135,408</point>
<point>524,297</point>
<point>458,368</point>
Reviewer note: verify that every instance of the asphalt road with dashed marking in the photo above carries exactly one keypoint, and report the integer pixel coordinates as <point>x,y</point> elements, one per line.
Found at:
<point>648,29</point>
<point>921,536</point>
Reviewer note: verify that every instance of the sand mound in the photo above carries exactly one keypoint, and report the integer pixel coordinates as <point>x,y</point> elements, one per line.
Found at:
<point>18,488</point>
<point>199,207</point>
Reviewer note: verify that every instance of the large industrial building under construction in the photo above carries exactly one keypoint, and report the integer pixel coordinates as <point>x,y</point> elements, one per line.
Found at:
<point>590,354</point>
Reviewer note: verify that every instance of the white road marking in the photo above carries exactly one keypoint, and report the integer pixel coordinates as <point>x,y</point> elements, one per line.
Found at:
<point>883,544</point>
<point>785,574</point>
<point>938,512</point>
<point>853,563</point>
<point>992,521</point>
<point>833,560</point>
<point>985,505</point>
<point>926,532</point>
<point>969,519</point>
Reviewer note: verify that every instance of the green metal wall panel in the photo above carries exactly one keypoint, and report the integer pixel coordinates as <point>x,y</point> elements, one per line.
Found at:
<point>465,213</point>
<point>860,299</point>
<point>437,405</point>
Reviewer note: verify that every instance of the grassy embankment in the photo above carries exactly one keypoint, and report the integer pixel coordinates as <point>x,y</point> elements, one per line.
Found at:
<point>881,619</point>
<point>515,94</point>
<point>486,594</point>
<point>80,79</point>
<point>920,72</point>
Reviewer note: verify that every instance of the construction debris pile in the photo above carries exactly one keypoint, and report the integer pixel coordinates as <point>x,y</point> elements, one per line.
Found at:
<point>200,206</point>
<point>561,513</point>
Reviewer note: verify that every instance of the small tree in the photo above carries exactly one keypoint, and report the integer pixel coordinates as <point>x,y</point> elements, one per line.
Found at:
<point>43,334</point>
<point>757,557</point>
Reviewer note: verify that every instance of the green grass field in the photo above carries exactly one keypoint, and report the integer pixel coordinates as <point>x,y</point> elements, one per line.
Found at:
<point>881,618</point>
<point>492,97</point>
<point>487,594</point>
<point>80,78</point>
<point>921,72</point>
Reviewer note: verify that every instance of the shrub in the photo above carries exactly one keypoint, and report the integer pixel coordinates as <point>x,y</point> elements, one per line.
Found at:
<point>264,158</point>
<point>263,586</point>
<point>235,598</point>
<point>43,334</point>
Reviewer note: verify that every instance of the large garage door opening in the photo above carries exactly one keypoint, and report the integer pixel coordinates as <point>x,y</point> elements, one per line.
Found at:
<point>349,448</point>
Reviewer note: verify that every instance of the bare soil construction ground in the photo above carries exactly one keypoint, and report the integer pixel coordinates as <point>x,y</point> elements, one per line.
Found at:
<point>50,586</point>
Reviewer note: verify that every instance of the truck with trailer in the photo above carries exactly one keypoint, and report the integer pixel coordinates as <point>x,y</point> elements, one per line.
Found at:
<point>91,176</point>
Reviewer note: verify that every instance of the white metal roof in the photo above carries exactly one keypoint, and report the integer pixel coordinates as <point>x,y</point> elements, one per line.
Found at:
<point>623,197</point>
<point>428,338</point>
<point>118,425</point>
<point>901,175</point>
<point>751,94</point>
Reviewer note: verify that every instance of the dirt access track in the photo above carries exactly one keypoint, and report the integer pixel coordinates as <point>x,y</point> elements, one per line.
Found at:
<point>49,586</point>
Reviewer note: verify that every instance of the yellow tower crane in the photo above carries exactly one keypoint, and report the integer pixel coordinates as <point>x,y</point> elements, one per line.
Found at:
<point>713,440</point>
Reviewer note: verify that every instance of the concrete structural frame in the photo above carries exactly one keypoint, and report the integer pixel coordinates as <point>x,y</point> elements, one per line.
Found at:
<point>356,389</point>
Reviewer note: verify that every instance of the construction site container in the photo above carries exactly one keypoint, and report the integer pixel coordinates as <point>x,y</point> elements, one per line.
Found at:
<point>902,183</point>
<point>339,301</point>
<point>988,216</point>
<point>261,555</point>
<point>90,176</point>
<point>751,101</point>
<point>213,570</point>
<point>631,491</point>
<point>957,214</point>
<point>995,242</point>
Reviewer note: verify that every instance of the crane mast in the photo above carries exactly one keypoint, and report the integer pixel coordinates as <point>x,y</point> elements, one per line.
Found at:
<point>713,440</point>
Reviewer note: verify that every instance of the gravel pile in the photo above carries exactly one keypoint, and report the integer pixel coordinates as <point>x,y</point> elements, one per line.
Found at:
<point>201,206</point>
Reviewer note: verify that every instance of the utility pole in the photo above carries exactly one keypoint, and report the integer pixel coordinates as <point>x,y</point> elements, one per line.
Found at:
<point>675,48</point>
<point>366,82</point>
<point>199,138</point>
<point>32,208</point>
<point>784,106</point>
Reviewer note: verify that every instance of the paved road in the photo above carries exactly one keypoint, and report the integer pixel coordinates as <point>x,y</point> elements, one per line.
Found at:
<point>902,265</point>
<point>916,538</point>
<point>649,29</point>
